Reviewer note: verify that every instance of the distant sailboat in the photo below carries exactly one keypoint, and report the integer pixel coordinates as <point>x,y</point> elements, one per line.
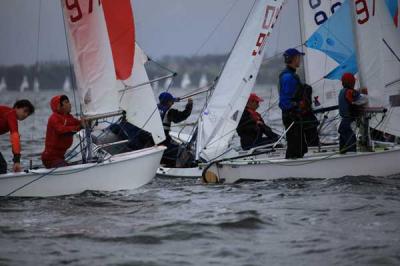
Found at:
<point>3,85</point>
<point>203,81</point>
<point>186,82</point>
<point>167,83</point>
<point>24,84</point>
<point>36,85</point>
<point>156,85</point>
<point>67,85</point>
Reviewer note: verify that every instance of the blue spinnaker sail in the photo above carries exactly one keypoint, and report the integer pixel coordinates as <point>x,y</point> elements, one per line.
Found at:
<point>335,39</point>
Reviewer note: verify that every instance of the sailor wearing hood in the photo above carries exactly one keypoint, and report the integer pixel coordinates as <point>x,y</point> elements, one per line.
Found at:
<point>61,127</point>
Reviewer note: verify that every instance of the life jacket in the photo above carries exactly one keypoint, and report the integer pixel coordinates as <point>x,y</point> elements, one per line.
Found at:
<point>9,123</point>
<point>164,117</point>
<point>301,95</point>
<point>346,108</point>
<point>254,115</point>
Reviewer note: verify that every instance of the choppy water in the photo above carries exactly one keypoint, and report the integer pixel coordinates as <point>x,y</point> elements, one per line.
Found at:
<point>349,221</point>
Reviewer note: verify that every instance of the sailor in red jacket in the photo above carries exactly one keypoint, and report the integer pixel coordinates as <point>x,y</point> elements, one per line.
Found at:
<point>9,123</point>
<point>61,127</point>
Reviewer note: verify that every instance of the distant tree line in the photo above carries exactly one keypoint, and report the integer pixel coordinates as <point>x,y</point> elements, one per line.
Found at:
<point>52,75</point>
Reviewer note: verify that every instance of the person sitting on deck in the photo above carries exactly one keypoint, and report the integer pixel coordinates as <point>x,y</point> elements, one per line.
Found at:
<point>9,118</point>
<point>349,100</point>
<point>252,128</point>
<point>169,115</point>
<point>61,127</point>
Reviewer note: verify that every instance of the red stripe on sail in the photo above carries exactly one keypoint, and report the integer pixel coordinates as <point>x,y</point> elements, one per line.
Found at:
<point>121,31</point>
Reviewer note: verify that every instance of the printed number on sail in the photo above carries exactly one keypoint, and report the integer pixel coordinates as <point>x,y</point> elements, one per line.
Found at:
<point>267,24</point>
<point>320,16</point>
<point>75,7</point>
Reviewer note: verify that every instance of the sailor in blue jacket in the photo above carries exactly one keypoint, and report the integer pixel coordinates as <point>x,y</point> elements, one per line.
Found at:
<point>291,103</point>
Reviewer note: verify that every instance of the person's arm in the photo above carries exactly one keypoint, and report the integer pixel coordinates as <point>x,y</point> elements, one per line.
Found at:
<point>267,131</point>
<point>179,116</point>
<point>15,140</point>
<point>355,98</point>
<point>61,128</point>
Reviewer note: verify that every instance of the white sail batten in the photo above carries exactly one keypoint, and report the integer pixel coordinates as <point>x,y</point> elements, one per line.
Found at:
<point>221,116</point>
<point>378,45</point>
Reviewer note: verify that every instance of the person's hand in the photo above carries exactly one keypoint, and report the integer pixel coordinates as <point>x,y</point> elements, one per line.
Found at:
<point>17,167</point>
<point>83,122</point>
<point>364,91</point>
<point>260,123</point>
<point>190,101</point>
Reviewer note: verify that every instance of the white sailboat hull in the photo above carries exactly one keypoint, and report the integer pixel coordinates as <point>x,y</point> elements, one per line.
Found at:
<point>121,172</point>
<point>382,163</point>
<point>190,173</point>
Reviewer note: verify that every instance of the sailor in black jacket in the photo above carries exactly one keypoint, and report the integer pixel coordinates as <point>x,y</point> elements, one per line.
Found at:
<point>168,116</point>
<point>252,129</point>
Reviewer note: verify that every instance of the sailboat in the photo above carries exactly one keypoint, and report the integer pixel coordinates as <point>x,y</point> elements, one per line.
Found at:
<point>67,85</point>
<point>24,84</point>
<point>345,36</point>
<point>36,85</point>
<point>203,81</point>
<point>186,81</point>
<point>107,65</point>
<point>221,114</point>
<point>3,84</point>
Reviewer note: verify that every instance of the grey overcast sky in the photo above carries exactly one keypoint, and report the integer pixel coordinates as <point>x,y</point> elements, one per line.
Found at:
<point>163,27</point>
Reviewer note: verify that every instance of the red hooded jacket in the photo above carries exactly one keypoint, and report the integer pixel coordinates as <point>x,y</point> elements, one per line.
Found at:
<point>9,123</point>
<point>59,134</point>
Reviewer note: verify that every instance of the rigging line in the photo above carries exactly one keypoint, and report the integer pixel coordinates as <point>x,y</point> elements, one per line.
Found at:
<point>149,59</point>
<point>391,50</point>
<point>71,72</point>
<point>72,75</point>
<point>36,72</point>
<point>215,28</point>
<point>237,39</point>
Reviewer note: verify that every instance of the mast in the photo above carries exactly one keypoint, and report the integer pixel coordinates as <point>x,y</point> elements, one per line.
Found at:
<point>365,143</point>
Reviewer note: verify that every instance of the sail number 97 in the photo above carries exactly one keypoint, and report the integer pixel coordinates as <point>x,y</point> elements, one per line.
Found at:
<point>76,10</point>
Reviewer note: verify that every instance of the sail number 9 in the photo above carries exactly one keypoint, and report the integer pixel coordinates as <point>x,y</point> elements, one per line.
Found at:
<point>270,14</point>
<point>320,16</point>
<point>75,7</point>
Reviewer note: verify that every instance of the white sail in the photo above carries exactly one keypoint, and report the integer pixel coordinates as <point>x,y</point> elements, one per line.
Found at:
<point>139,103</point>
<point>378,46</point>
<point>186,82</point>
<point>102,44</point>
<point>36,85</point>
<point>67,84</point>
<point>3,84</point>
<point>24,84</point>
<point>221,116</point>
<point>203,81</point>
